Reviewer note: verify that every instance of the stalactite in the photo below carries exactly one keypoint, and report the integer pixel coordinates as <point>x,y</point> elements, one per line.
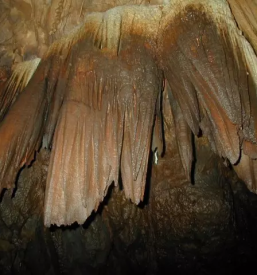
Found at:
<point>18,80</point>
<point>211,67</point>
<point>245,16</point>
<point>96,110</point>
<point>183,135</point>
<point>95,96</point>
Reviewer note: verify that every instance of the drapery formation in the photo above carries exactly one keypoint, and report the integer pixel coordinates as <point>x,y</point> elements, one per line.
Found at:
<point>211,69</point>
<point>95,100</point>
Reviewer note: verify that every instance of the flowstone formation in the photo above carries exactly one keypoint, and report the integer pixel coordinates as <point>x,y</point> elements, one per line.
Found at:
<point>128,137</point>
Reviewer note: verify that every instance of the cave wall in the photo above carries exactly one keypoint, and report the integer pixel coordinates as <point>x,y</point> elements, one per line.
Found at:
<point>28,27</point>
<point>204,227</point>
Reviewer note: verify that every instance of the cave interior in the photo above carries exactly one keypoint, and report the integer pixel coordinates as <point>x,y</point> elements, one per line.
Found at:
<point>128,137</point>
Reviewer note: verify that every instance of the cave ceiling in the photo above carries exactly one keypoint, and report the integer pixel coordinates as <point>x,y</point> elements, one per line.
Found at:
<point>89,81</point>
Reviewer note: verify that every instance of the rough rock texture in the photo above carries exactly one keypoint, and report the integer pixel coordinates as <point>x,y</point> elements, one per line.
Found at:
<point>205,228</point>
<point>28,27</point>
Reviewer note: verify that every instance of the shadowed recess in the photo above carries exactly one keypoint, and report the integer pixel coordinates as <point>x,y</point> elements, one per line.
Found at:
<point>94,100</point>
<point>206,61</point>
<point>93,103</point>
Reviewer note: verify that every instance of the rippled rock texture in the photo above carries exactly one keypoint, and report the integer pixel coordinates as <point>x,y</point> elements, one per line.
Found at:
<point>204,228</point>
<point>196,215</point>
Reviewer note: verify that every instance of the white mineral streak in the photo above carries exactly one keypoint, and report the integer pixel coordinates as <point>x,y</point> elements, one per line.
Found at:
<point>22,74</point>
<point>251,59</point>
<point>109,28</point>
<point>218,9</point>
<point>136,20</point>
<point>90,26</point>
<point>107,31</point>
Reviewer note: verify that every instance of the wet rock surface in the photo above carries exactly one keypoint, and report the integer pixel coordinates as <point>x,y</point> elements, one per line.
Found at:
<point>28,27</point>
<point>207,227</point>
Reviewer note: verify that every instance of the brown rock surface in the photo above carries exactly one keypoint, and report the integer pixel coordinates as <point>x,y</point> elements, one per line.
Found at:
<point>205,227</point>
